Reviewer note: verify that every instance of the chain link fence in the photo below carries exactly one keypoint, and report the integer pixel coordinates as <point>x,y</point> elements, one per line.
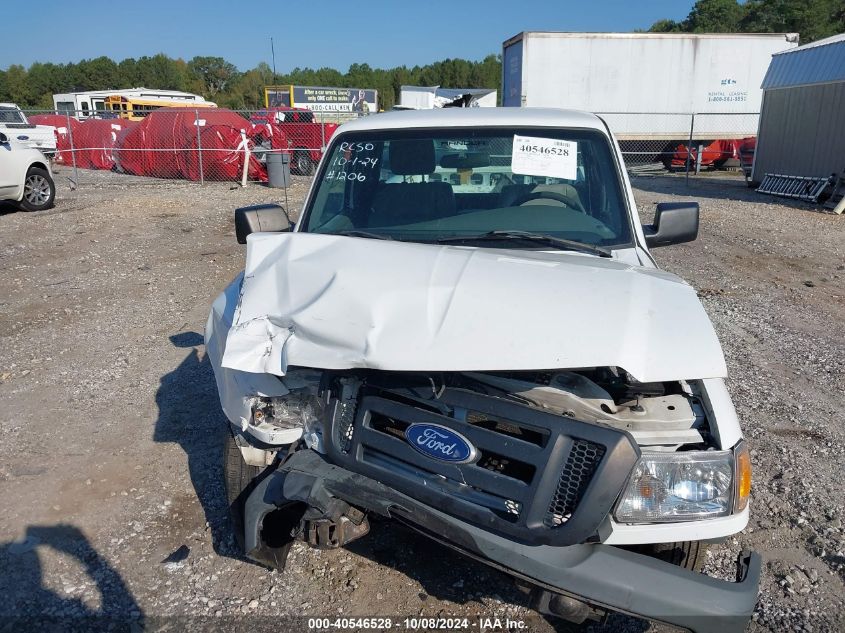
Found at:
<point>686,142</point>
<point>185,143</point>
<point>216,144</point>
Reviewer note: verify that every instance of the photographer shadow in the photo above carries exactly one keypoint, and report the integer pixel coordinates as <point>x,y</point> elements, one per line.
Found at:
<point>29,604</point>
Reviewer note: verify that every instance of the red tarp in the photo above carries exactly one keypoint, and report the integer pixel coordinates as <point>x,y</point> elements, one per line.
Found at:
<point>716,153</point>
<point>164,145</point>
<point>96,139</point>
<point>60,122</point>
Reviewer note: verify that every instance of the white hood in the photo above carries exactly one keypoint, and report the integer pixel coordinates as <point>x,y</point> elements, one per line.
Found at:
<point>336,302</point>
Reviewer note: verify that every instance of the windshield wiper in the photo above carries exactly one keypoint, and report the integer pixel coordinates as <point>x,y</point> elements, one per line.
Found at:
<point>357,233</point>
<point>557,242</point>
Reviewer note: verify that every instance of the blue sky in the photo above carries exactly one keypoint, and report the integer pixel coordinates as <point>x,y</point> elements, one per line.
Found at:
<point>306,33</point>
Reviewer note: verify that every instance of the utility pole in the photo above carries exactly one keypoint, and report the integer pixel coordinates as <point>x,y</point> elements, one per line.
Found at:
<point>273,51</point>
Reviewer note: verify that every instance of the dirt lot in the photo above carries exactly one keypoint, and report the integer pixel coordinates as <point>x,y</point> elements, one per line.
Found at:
<point>110,428</point>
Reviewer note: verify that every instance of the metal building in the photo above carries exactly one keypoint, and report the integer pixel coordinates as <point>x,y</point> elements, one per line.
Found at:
<point>802,121</point>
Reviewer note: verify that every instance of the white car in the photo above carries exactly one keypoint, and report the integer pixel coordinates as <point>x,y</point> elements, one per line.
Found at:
<point>466,332</point>
<point>25,176</point>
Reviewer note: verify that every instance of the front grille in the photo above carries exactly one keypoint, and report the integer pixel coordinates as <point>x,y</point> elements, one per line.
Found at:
<point>539,477</point>
<point>584,457</point>
<point>345,423</point>
<point>505,427</point>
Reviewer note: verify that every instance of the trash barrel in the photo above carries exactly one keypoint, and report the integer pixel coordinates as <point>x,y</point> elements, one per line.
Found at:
<point>278,169</point>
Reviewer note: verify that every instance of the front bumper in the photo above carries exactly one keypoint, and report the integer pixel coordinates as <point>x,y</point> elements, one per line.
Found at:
<point>600,575</point>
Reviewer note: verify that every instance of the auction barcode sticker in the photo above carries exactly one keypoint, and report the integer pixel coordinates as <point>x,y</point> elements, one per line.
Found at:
<point>536,156</point>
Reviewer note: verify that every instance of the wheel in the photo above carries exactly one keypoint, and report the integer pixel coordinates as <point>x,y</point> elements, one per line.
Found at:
<point>239,479</point>
<point>39,191</point>
<point>303,164</point>
<point>690,555</point>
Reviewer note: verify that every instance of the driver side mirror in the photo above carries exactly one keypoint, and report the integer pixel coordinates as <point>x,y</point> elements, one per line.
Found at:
<point>674,223</point>
<point>261,218</point>
<point>3,139</point>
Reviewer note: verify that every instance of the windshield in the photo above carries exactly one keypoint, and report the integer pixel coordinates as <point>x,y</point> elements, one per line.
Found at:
<point>441,184</point>
<point>11,115</point>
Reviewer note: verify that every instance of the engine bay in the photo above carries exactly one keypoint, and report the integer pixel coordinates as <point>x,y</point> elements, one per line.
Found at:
<point>662,416</point>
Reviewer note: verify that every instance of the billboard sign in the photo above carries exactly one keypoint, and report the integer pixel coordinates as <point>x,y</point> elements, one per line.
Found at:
<point>277,96</point>
<point>322,99</point>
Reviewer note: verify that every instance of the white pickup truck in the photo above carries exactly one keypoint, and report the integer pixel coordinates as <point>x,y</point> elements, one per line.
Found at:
<point>466,333</point>
<point>16,127</point>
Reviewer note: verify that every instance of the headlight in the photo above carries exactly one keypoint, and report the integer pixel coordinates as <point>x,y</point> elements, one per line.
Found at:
<point>296,410</point>
<point>673,487</point>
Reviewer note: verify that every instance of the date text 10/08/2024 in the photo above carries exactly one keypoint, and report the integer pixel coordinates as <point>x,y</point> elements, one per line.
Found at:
<point>417,624</point>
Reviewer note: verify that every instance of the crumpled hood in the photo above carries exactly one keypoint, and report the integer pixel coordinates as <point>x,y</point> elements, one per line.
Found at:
<point>337,302</point>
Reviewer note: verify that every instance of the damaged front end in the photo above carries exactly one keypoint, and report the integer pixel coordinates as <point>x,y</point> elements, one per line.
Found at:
<point>525,471</point>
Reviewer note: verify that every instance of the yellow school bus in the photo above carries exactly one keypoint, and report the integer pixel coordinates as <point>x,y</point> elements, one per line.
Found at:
<point>135,109</point>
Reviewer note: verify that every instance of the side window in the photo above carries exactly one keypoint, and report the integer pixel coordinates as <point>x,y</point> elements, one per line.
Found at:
<point>85,109</point>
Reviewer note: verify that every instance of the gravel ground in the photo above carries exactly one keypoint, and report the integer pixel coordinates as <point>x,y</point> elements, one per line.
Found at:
<point>111,432</point>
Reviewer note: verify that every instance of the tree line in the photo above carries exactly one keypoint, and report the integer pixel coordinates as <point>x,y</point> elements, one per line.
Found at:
<point>811,19</point>
<point>220,81</point>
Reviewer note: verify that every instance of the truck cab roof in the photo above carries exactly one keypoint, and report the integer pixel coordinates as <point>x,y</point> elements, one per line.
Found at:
<point>477,117</point>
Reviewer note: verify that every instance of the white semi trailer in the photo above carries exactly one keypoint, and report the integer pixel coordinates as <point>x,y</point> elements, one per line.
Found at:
<point>646,85</point>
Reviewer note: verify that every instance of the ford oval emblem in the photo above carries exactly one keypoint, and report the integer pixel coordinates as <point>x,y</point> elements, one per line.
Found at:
<point>440,442</point>
<point>23,137</point>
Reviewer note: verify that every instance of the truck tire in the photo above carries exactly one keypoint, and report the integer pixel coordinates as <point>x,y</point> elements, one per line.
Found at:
<point>239,478</point>
<point>690,555</point>
<point>39,190</point>
<point>302,163</point>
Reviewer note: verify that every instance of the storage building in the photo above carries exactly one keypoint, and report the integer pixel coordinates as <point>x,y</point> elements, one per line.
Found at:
<point>802,121</point>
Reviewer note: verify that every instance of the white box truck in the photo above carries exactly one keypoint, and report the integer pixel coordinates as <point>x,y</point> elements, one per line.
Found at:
<point>646,85</point>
